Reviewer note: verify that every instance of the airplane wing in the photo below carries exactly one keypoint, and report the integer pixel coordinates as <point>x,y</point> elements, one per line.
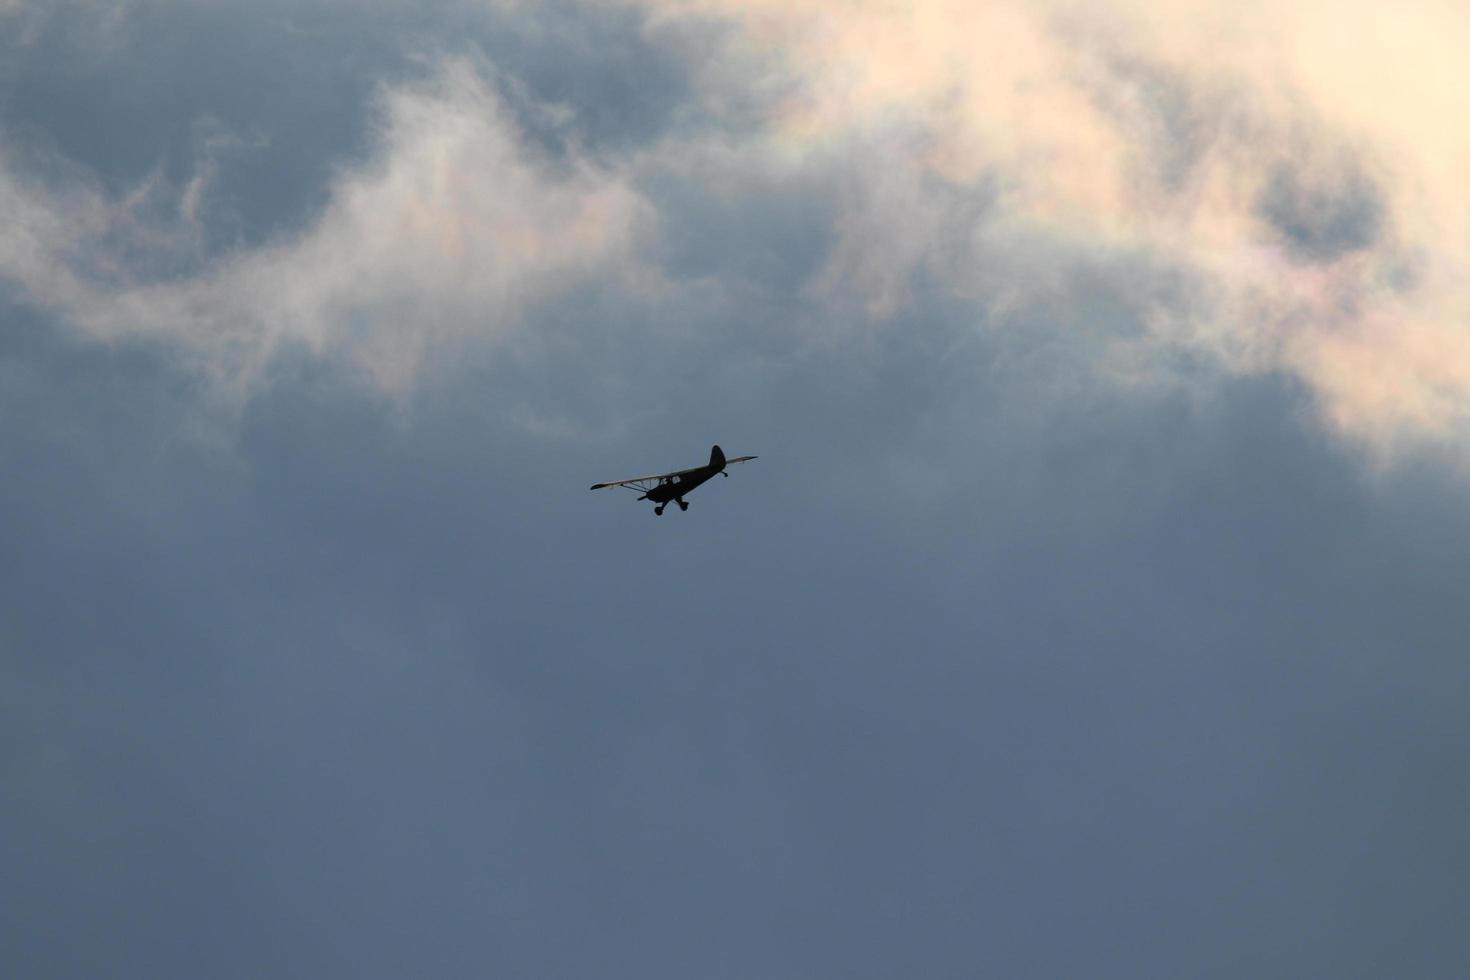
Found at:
<point>644,483</point>
<point>647,483</point>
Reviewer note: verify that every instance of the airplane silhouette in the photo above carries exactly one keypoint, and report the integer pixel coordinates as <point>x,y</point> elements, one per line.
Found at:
<point>663,487</point>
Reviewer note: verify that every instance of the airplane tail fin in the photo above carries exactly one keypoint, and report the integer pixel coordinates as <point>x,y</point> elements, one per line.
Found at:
<point>716,458</point>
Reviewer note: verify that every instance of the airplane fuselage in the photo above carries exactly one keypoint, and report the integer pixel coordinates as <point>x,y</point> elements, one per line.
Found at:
<point>679,484</point>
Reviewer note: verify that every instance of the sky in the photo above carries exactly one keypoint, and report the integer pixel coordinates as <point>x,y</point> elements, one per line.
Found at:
<point>1094,607</point>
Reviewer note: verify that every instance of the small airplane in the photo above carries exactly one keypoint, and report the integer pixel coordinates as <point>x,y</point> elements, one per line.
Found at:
<point>663,487</point>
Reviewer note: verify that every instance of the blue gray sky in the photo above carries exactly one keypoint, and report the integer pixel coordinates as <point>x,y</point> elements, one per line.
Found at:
<point>1095,607</point>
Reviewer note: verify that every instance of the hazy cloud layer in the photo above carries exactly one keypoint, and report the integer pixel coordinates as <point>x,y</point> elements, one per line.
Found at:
<point>1320,223</point>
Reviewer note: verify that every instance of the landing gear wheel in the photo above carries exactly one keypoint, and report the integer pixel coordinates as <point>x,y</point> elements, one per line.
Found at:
<point>683,506</point>
<point>659,510</point>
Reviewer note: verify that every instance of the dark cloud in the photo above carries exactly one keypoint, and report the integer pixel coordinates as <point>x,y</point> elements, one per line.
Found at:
<point>1323,214</point>
<point>1143,688</point>
<point>770,235</point>
<point>281,96</point>
<point>288,103</point>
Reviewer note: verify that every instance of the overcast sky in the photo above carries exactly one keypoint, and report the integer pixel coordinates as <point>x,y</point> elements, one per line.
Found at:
<point>1096,606</point>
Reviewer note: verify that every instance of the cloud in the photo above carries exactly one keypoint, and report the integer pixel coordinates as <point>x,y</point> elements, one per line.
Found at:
<point>1271,190</point>
<point>448,232</point>
<point>1283,157</point>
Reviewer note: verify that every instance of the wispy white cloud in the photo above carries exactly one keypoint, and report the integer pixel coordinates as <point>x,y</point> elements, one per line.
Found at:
<point>448,232</point>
